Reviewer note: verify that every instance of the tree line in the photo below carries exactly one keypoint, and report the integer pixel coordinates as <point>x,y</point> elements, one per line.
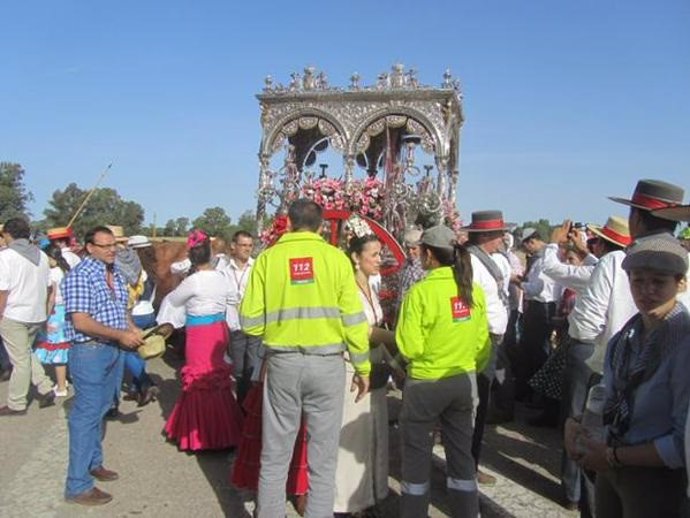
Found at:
<point>105,206</point>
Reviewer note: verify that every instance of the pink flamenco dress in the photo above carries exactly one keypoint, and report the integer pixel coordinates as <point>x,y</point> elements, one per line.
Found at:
<point>245,471</point>
<point>206,415</point>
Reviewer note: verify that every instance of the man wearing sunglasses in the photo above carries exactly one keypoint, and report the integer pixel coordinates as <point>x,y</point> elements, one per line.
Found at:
<point>98,325</point>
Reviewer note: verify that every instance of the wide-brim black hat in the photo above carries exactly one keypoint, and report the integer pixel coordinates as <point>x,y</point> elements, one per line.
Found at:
<point>653,195</point>
<point>678,213</point>
<point>487,221</point>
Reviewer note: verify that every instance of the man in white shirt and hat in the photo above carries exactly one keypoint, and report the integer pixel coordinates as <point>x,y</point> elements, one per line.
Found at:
<point>485,238</point>
<point>601,309</point>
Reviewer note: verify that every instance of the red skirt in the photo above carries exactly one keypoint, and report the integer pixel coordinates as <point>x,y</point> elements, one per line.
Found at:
<point>245,472</point>
<point>206,415</point>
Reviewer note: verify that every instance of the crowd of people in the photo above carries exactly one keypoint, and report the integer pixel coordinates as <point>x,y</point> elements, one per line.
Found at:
<point>289,356</point>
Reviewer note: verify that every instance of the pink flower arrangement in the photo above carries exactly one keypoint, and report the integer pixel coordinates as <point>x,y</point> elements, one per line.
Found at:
<point>364,197</point>
<point>271,234</point>
<point>451,216</point>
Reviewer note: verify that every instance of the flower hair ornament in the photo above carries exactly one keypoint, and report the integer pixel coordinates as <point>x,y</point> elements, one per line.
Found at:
<point>196,238</point>
<point>358,226</point>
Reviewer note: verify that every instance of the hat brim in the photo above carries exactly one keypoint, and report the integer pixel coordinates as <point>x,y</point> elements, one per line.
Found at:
<point>629,203</point>
<point>485,230</point>
<point>596,230</point>
<point>677,213</point>
<point>164,330</point>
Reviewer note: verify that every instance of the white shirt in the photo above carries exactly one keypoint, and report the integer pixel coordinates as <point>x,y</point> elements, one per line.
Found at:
<point>27,285</point>
<point>603,308</point>
<point>144,306</point>
<point>539,286</point>
<point>183,266</point>
<point>573,277</point>
<point>69,256</point>
<point>206,292</point>
<point>238,277</point>
<point>496,312</point>
<point>56,276</point>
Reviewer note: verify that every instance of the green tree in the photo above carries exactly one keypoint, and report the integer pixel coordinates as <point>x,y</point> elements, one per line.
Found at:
<point>543,226</point>
<point>169,229</point>
<point>215,222</point>
<point>104,207</point>
<point>247,222</point>
<point>14,195</point>
<point>181,226</point>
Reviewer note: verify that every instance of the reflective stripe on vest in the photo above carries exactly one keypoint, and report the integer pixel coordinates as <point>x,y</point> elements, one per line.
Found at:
<point>299,313</point>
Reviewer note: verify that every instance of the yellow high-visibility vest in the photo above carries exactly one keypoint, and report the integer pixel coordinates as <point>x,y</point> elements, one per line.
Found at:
<point>438,334</point>
<point>302,296</point>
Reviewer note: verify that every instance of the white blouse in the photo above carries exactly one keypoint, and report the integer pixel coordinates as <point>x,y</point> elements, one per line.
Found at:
<point>206,292</point>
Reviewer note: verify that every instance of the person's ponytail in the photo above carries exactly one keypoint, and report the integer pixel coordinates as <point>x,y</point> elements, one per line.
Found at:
<point>462,271</point>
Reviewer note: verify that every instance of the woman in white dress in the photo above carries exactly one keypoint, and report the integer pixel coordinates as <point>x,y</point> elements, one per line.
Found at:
<point>362,472</point>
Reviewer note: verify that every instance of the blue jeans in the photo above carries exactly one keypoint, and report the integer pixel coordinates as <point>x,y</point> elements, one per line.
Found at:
<point>134,363</point>
<point>93,366</point>
<point>578,379</point>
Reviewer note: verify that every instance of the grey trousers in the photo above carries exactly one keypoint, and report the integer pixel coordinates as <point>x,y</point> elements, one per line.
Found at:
<point>244,351</point>
<point>637,492</point>
<point>26,367</point>
<point>299,384</point>
<point>450,400</point>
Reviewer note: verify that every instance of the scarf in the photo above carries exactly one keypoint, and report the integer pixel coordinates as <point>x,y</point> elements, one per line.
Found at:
<point>494,270</point>
<point>27,250</point>
<point>628,373</point>
<point>130,265</point>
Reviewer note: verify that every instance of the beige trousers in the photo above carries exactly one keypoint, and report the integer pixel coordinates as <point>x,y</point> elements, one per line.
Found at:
<point>18,338</point>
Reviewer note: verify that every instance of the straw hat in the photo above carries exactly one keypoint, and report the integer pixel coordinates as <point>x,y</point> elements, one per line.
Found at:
<point>138,242</point>
<point>59,233</point>
<point>118,232</point>
<point>154,341</point>
<point>616,231</point>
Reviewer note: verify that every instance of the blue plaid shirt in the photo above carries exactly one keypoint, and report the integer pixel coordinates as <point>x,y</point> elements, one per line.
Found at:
<point>85,290</point>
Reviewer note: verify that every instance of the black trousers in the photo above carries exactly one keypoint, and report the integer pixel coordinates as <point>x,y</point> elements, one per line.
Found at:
<point>533,349</point>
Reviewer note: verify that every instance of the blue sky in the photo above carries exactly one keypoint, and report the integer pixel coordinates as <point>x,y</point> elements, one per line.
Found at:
<point>565,102</point>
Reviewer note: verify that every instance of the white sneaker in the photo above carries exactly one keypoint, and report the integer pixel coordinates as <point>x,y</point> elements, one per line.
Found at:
<point>61,393</point>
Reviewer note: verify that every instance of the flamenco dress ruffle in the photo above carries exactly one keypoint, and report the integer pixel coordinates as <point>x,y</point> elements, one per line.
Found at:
<point>206,415</point>
<point>245,471</point>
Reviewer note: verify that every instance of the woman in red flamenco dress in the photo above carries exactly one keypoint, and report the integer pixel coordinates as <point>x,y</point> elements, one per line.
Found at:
<point>206,415</point>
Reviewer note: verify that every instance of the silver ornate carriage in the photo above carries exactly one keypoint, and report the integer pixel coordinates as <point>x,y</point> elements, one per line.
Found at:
<point>376,131</point>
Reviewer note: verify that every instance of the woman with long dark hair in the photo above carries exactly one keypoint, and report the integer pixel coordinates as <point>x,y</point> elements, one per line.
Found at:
<point>206,416</point>
<point>443,334</point>
<point>52,347</point>
<point>362,470</point>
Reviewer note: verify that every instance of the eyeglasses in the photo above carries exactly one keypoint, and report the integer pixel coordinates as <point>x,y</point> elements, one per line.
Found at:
<point>106,246</point>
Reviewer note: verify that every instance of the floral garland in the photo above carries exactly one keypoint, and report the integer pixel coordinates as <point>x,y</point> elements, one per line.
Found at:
<point>271,234</point>
<point>451,216</point>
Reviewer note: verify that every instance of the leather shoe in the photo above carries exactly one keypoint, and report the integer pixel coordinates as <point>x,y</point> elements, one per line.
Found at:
<point>103,474</point>
<point>112,414</point>
<point>7,411</point>
<point>485,479</point>
<point>93,496</point>
<point>148,395</point>
<point>46,400</point>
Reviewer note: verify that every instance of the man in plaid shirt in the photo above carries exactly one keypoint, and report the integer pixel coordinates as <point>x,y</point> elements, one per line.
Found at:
<point>97,324</point>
